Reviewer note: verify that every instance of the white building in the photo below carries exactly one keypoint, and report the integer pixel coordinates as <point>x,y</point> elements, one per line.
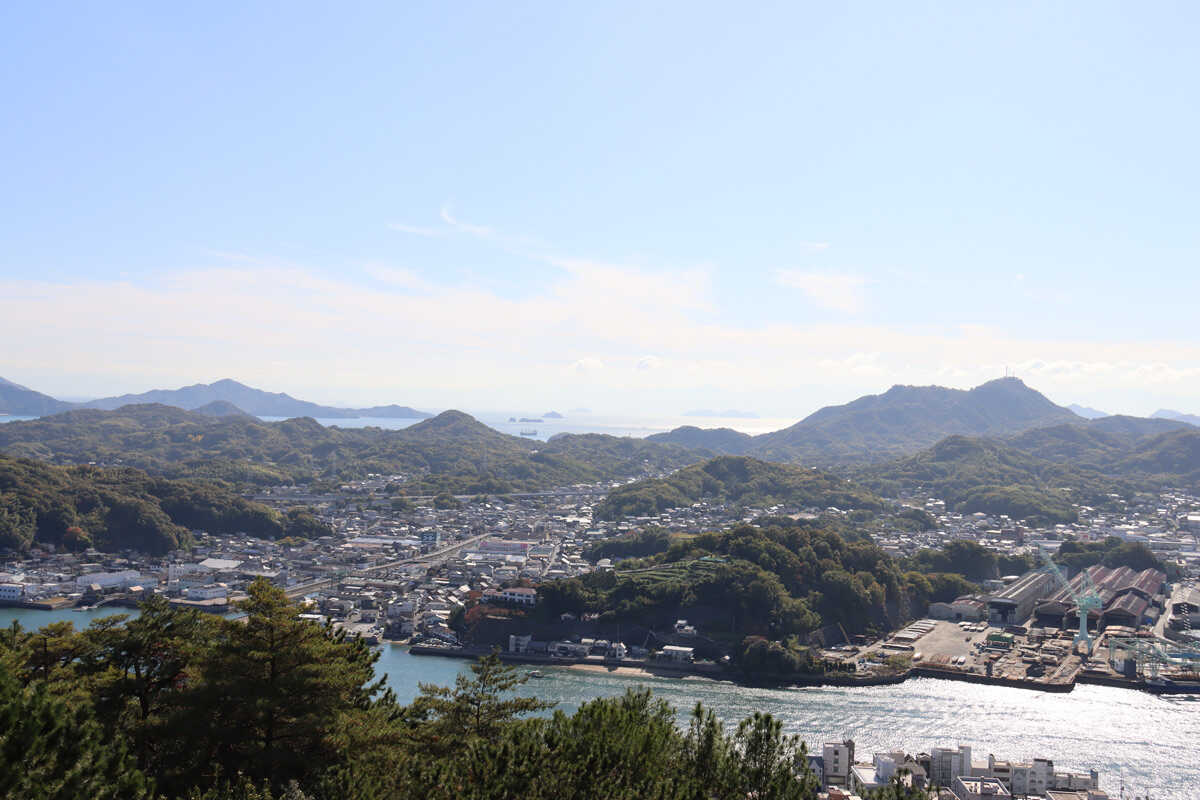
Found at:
<point>838,758</point>
<point>110,580</point>
<point>679,655</point>
<point>946,764</point>
<point>12,592</point>
<point>210,592</point>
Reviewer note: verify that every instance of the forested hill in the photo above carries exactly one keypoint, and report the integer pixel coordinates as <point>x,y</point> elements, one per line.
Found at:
<point>450,452</point>
<point>125,509</point>
<point>907,418</point>
<point>720,440</point>
<point>899,422</point>
<point>735,479</point>
<point>1038,474</point>
<point>20,401</point>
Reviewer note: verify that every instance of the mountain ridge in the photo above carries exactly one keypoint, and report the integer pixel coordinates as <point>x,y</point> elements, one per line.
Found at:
<point>898,422</point>
<point>17,399</point>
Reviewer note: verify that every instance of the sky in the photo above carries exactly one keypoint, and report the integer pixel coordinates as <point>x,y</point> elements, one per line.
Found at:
<point>638,208</point>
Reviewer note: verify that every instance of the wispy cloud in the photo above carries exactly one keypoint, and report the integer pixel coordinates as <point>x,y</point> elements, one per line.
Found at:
<point>466,227</point>
<point>417,230</point>
<point>845,293</point>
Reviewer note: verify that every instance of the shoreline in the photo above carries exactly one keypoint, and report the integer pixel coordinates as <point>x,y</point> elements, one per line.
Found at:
<point>630,668</point>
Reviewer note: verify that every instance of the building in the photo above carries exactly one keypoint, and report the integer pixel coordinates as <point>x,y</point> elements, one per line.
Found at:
<point>430,538</point>
<point>210,592</point>
<point>516,596</point>
<point>678,655</point>
<point>1128,598</point>
<point>110,580</point>
<point>838,759</point>
<point>946,764</point>
<point>967,608</point>
<point>12,592</point>
<point>505,547</point>
<point>1014,604</point>
<point>979,789</point>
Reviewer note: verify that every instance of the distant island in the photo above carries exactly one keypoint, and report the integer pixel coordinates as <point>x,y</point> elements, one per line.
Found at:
<point>552,415</point>
<point>730,413</point>
<point>17,399</point>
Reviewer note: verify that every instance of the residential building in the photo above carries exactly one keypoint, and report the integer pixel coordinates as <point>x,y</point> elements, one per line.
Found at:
<point>966,788</point>
<point>838,758</point>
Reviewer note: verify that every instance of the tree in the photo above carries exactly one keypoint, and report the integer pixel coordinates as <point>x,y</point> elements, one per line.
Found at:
<point>474,708</point>
<point>269,694</point>
<point>50,751</point>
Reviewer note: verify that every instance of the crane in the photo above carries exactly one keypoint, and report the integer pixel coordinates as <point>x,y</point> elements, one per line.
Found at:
<point>1086,599</point>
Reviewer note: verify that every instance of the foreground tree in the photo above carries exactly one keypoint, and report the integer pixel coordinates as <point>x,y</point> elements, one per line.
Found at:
<point>268,698</point>
<point>49,751</point>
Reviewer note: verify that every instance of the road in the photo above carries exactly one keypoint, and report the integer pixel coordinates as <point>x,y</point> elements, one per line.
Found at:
<point>428,558</point>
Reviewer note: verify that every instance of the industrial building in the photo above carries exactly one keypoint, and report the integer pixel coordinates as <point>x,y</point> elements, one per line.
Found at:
<point>1014,604</point>
<point>1127,598</point>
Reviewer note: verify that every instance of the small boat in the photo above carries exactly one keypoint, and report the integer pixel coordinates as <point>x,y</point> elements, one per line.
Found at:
<point>535,673</point>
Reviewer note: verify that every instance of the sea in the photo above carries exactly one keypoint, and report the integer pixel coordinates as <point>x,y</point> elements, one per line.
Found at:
<point>543,428</point>
<point>1146,745</point>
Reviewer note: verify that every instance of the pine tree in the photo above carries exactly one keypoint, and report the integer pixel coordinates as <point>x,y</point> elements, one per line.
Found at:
<point>49,751</point>
<point>269,696</point>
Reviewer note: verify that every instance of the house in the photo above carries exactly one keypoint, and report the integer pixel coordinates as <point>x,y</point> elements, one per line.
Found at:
<point>677,655</point>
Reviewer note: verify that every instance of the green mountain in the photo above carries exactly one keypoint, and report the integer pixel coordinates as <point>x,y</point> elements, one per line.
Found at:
<point>905,419</point>
<point>450,452</point>
<point>220,408</point>
<point>899,422</point>
<point>20,401</point>
<point>735,479</point>
<point>1039,473</point>
<point>719,440</point>
<point>117,509</point>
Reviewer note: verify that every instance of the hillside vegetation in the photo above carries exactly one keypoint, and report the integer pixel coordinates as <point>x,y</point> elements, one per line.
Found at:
<point>739,480</point>
<point>776,582</point>
<point>1039,474</point>
<point>125,509</point>
<point>451,452</point>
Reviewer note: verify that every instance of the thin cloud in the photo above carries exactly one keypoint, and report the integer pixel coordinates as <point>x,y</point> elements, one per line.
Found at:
<point>417,230</point>
<point>845,293</point>
<point>465,227</point>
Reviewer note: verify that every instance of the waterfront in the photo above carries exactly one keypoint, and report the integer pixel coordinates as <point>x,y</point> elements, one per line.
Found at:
<point>1147,739</point>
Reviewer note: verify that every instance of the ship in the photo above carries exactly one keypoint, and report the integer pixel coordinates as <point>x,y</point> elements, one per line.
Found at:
<point>529,432</point>
<point>1168,686</point>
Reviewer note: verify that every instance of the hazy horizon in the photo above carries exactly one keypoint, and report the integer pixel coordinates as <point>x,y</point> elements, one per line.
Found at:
<point>641,210</point>
<point>682,415</point>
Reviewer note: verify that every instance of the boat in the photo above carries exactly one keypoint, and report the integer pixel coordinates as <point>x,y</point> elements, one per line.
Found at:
<point>535,673</point>
<point>1168,686</point>
<point>529,432</point>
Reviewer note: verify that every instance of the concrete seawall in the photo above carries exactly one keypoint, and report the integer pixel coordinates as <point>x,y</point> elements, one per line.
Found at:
<point>717,672</point>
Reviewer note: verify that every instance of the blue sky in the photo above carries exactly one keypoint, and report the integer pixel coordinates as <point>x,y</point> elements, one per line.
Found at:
<point>629,208</point>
